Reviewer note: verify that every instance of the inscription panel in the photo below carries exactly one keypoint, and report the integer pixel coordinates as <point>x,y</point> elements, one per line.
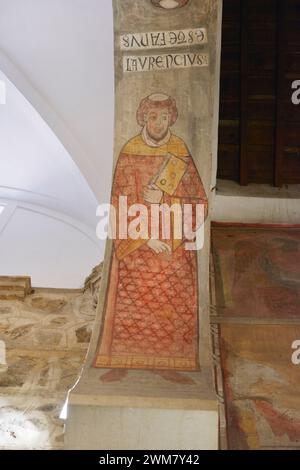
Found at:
<point>163,39</point>
<point>153,63</point>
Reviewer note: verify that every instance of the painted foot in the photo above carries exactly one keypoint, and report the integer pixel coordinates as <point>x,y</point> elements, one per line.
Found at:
<point>175,377</point>
<point>114,375</point>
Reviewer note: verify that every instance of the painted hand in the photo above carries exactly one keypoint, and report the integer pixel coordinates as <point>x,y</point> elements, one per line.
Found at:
<point>153,195</point>
<point>159,247</point>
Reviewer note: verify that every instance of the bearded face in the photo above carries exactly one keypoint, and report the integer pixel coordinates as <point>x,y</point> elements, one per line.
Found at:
<point>157,123</point>
<point>169,4</point>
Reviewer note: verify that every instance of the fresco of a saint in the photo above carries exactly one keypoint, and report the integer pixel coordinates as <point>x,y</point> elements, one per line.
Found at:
<point>151,310</point>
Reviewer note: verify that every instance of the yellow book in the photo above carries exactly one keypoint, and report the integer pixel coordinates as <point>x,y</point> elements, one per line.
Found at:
<point>171,174</point>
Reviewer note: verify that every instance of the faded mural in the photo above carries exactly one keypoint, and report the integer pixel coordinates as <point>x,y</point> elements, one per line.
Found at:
<point>257,300</point>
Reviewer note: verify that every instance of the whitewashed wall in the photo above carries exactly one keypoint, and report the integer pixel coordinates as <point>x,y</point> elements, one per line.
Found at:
<point>56,136</point>
<point>59,53</point>
<point>54,249</point>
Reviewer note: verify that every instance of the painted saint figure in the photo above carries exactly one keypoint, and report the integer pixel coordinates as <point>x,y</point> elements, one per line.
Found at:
<point>151,312</point>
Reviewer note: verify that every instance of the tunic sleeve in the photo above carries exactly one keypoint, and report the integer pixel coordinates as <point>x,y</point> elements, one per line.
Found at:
<point>124,184</point>
<point>190,191</point>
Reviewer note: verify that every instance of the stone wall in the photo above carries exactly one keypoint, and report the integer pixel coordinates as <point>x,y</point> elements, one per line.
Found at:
<point>46,338</point>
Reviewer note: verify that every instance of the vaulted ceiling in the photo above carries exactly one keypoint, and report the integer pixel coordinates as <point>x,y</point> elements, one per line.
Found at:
<point>56,136</point>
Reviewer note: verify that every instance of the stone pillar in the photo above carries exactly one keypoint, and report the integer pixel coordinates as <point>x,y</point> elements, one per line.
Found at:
<point>156,394</point>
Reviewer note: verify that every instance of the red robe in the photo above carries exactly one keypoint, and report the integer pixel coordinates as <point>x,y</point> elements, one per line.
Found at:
<point>151,313</point>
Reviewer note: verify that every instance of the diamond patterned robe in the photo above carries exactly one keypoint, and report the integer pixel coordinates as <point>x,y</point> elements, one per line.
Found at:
<point>151,313</point>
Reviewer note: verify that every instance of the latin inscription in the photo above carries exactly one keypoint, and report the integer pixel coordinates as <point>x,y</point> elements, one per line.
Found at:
<point>152,63</point>
<point>163,39</point>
